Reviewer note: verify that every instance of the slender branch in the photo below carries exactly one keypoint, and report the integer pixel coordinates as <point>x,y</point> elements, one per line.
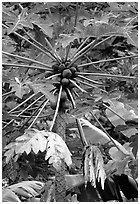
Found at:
<point>67,51</point>
<point>89,46</point>
<point>49,44</point>
<point>38,114</point>
<point>8,93</point>
<point>114,112</point>
<point>22,112</point>
<point>24,58</point>
<point>36,46</point>
<point>91,85</point>
<point>77,86</point>
<point>81,132</point>
<point>26,66</point>
<point>55,75</point>
<point>76,94</point>
<point>72,99</point>
<point>22,103</point>
<point>90,80</point>
<point>104,75</point>
<point>32,114</point>
<point>39,44</point>
<point>107,60</point>
<point>57,108</point>
<point>104,130</point>
<point>79,48</point>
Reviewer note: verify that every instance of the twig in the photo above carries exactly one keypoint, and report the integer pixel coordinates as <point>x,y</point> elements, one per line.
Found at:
<point>26,66</point>
<point>107,60</point>
<point>38,114</point>
<point>8,93</point>
<point>105,75</point>
<point>114,112</point>
<point>22,103</point>
<point>77,86</point>
<point>90,80</point>
<point>24,58</point>
<point>57,108</point>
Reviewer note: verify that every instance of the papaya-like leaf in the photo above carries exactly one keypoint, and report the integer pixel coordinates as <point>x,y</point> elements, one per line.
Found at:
<point>95,135</point>
<point>57,150</point>
<point>9,196</point>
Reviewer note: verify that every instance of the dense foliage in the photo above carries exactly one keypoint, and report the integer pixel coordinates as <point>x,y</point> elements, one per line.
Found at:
<point>70,101</point>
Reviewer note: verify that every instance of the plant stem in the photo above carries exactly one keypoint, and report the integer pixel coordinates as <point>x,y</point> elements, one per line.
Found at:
<point>32,114</point>
<point>67,51</point>
<point>39,44</point>
<point>22,103</point>
<point>104,75</point>
<point>108,60</point>
<point>72,99</point>
<point>8,93</point>
<point>53,76</point>
<point>57,108</point>
<point>105,131</point>
<point>24,58</point>
<point>77,86</point>
<point>114,112</point>
<point>31,43</point>
<point>91,85</point>
<point>81,132</point>
<point>26,66</point>
<point>90,80</point>
<point>88,47</point>
<point>80,47</point>
<point>38,114</point>
<point>76,15</point>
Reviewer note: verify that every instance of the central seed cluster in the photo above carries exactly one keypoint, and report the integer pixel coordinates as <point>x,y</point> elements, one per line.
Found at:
<point>66,77</point>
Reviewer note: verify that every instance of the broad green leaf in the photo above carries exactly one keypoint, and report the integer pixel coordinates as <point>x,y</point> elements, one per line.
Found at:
<point>9,196</point>
<point>57,148</point>
<point>95,135</point>
<point>66,39</point>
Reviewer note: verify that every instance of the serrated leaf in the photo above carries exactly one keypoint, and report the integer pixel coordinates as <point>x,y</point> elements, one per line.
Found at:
<point>95,135</point>
<point>57,148</point>
<point>9,196</point>
<point>66,39</point>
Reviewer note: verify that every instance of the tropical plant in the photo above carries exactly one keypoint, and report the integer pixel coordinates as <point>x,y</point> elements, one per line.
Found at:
<point>64,64</point>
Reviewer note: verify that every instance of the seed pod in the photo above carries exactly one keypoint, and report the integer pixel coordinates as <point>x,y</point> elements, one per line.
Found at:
<point>65,81</point>
<point>67,73</point>
<point>61,67</point>
<point>63,96</point>
<point>55,67</point>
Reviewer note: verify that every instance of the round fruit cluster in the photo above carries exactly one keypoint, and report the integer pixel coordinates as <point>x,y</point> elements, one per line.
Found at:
<point>67,74</point>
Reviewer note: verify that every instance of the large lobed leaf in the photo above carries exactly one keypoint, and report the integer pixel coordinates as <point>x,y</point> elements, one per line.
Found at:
<point>24,189</point>
<point>35,140</point>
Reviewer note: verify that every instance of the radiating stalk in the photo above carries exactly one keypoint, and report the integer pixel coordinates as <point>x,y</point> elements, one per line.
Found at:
<point>22,103</point>
<point>104,75</point>
<point>114,112</point>
<point>90,80</point>
<point>38,114</point>
<point>33,114</point>
<point>79,48</point>
<point>77,86</point>
<point>31,43</point>
<point>26,66</point>
<point>8,93</point>
<point>81,132</point>
<point>90,46</point>
<point>50,77</point>
<point>107,60</point>
<point>57,108</point>
<point>105,131</point>
<point>39,44</point>
<point>91,85</point>
<point>24,58</point>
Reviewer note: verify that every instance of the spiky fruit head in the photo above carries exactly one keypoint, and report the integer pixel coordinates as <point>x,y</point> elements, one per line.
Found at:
<point>65,81</point>
<point>67,73</point>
